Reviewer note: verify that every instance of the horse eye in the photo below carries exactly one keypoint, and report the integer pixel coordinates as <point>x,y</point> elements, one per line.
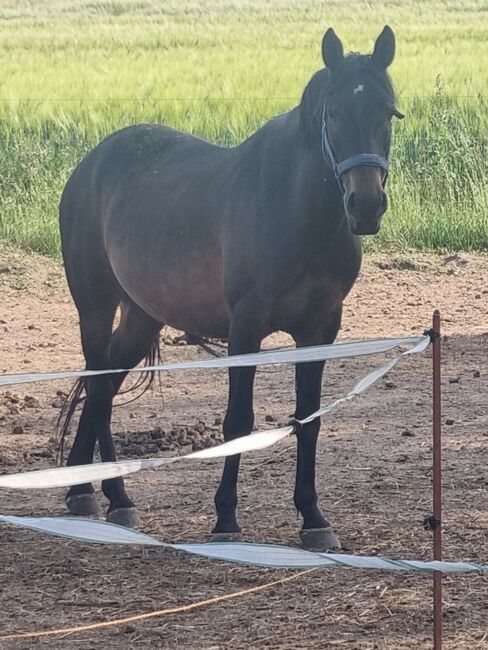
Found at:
<point>333,115</point>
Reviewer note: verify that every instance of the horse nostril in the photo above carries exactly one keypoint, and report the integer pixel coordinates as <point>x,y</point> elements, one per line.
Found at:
<point>384,202</point>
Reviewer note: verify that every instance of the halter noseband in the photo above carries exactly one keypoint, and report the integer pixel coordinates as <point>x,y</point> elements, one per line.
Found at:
<point>358,160</point>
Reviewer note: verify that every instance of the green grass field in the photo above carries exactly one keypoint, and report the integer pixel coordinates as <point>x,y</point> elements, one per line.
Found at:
<point>72,71</point>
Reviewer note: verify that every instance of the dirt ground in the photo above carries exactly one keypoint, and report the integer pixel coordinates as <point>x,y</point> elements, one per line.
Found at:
<point>374,474</point>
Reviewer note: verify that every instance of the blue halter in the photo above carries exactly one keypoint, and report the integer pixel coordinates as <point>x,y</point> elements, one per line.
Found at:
<point>358,160</point>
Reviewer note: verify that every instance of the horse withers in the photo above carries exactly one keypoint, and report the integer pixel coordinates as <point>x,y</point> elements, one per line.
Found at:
<point>230,243</point>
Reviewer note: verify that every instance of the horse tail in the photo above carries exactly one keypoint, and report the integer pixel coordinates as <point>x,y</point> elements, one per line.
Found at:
<point>63,424</point>
<point>77,395</point>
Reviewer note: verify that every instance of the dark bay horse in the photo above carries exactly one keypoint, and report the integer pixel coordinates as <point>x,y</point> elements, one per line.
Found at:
<point>230,243</point>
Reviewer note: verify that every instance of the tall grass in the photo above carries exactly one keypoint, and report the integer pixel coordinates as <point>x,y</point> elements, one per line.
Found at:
<point>75,70</point>
<point>440,177</point>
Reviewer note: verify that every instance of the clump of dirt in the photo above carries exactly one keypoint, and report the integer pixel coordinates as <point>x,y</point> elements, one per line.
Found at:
<point>13,404</point>
<point>179,438</point>
<point>458,259</point>
<point>398,264</point>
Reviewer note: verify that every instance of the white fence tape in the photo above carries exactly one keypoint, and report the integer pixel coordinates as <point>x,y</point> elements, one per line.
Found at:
<point>64,476</point>
<point>267,357</point>
<point>265,555</point>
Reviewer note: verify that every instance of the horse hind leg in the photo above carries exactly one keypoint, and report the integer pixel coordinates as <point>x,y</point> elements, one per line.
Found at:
<point>134,339</point>
<point>96,330</point>
<point>81,499</point>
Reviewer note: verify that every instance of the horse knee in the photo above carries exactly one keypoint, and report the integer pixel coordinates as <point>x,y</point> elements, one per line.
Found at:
<point>238,424</point>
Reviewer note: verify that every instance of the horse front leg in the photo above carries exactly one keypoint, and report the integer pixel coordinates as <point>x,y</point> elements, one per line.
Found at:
<point>244,338</point>
<point>317,533</point>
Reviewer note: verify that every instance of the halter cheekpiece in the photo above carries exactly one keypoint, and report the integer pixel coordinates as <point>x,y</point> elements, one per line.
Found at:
<point>358,160</point>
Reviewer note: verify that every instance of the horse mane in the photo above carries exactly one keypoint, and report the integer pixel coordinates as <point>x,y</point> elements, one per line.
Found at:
<point>312,102</point>
<point>323,83</point>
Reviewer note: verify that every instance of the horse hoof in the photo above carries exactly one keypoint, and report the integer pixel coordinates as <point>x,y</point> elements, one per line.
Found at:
<point>226,537</point>
<point>83,504</point>
<point>320,539</point>
<point>127,517</point>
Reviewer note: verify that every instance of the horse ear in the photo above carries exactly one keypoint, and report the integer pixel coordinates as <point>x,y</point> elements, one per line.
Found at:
<point>332,50</point>
<point>384,48</point>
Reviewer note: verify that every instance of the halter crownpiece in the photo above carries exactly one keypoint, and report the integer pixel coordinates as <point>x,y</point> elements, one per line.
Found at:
<point>358,160</point>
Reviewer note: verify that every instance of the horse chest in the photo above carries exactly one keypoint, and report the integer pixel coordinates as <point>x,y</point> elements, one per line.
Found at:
<point>307,304</point>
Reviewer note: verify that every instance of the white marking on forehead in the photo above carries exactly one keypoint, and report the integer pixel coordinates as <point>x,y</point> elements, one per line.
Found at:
<point>358,89</point>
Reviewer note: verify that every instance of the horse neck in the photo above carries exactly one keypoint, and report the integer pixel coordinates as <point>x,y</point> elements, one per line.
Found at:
<point>293,162</point>
<point>315,181</point>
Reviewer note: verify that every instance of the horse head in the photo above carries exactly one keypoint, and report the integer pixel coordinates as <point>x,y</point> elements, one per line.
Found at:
<point>357,112</point>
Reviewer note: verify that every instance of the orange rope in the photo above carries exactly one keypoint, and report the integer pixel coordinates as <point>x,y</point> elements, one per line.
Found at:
<point>155,614</point>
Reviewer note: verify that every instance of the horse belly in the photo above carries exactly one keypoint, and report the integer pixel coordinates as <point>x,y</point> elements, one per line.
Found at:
<point>186,293</point>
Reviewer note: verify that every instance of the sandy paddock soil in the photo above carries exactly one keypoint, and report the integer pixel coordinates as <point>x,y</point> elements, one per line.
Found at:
<point>374,469</point>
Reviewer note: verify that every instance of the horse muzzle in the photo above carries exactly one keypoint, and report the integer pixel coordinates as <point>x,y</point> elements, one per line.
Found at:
<point>362,179</point>
<point>365,211</point>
